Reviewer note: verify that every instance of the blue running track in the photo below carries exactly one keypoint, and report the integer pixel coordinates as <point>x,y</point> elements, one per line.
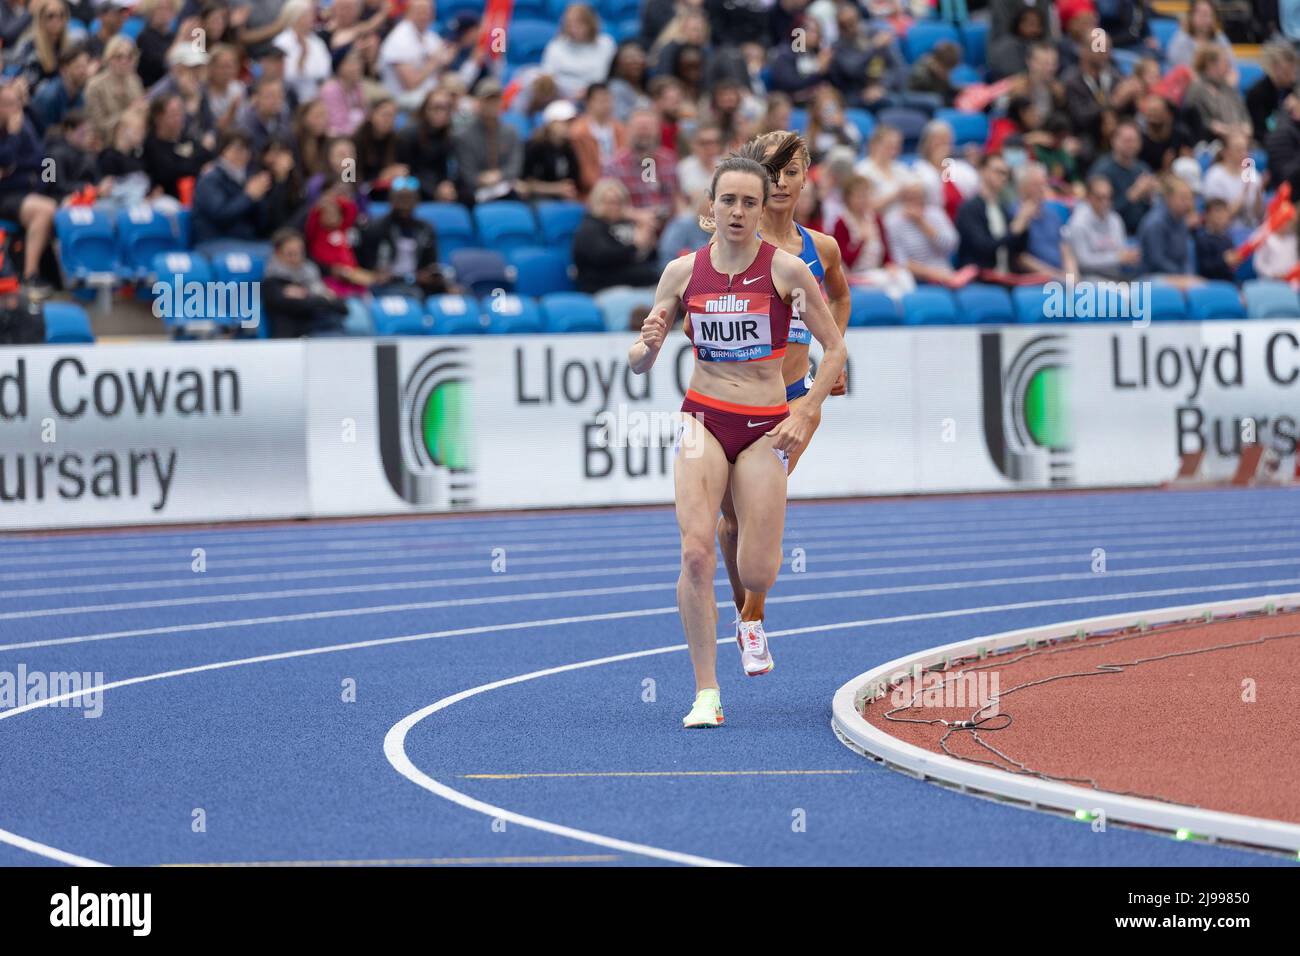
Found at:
<point>260,747</point>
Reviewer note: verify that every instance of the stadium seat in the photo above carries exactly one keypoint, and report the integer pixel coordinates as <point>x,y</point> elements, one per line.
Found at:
<point>527,9</point>
<point>628,28</point>
<point>451,223</point>
<point>523,125</point>
<point>67,324</point>
<point>1125,61</point>
<point>929,305</point>
<point>237,267</point>
<point>505,225</point>
<point>455,315</point>
<point>798,119</point>
<point>183,267</point>
<point>963,75</point>
<point>1270,299</point>
<point>87,243</point>
<point>975,38</point>
<point>966,127</point>
<point>399,315</point>
<point>142,233</point>
<point>864,121</point>
<point>909,122</point>
<point>1167,303</point>
<point>377,210</point>
<point>1163,29</point>
<point>132,26</point>
<point>540,270</point>
<point>1215,300</point>
<point>527,39</point>
<point>1248,74</point>
<point>558,220</point>
<point>924,35</point>
<point>927,103</point>
<point>509,314</point>
<point>609,9</point>
<point>1028,302</point>
<point>871,307</point>
<point>480,270</point>
<point>985,305</point>
<point>571,312</point>
<point>447,9</point>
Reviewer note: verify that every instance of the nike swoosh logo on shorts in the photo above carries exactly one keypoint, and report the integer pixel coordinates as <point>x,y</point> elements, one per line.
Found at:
<point>756,424</point>
<point>748,281</point>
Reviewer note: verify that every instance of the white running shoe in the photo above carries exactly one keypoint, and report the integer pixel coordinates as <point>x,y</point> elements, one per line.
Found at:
<point>707,711</point>
<point>754,654</point>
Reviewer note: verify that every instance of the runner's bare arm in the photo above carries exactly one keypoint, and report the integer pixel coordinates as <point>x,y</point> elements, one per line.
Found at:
<point>793,281</point>
<point>654,330</point>
<point>837,292</point>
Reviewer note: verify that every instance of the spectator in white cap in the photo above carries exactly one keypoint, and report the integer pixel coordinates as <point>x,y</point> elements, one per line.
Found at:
<point>412,56</point>
<point>307,61</point>
<point>186,71</point>
<point>580,54</point>
<point>550,163</point>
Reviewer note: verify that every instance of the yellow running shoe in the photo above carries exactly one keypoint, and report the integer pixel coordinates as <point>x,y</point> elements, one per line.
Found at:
<point>707,711</point>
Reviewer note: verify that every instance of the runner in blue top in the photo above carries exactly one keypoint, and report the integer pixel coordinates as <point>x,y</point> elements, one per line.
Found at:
<point>822,254</point>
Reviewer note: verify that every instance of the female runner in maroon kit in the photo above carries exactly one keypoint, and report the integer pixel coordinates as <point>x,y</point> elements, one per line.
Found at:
<point>737,431</point>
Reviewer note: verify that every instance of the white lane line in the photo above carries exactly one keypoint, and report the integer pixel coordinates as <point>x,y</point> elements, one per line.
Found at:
<point>307,546</point>
<point>49,852</point>
<point>857,572</point>
<point>42,850</point>
<point>1115,551</point>
<point>180,562</point>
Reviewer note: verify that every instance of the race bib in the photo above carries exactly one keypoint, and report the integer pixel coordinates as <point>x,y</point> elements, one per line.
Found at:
<point>799,333</point>
<point>731,326</point>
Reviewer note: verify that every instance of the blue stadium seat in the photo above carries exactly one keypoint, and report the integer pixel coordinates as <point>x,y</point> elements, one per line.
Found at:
<point>183,267</point>
<point>447,9</point>
<point>142,233</point>
<point>628,28</point>
<point>927,103</point>
<point>923,36</point>
<point>480,270</point>
<point>571,312</point>
<point>1028,301</point>
<point>929,305</point>
<point>610,9</point>
<point>985,305</point>
<point>451,222</point>
<point>1215,300</point>
<point>558,220</point>
<point>963,75</point>
<point>237,267</point>
<point>526,9</point>
<point>509,314</point>
<point>975,39</point>
<point>1248,74</point>
<point>1270,299</point>
<point>540,270</point>
<point>132,27</point>
<point>527,39</point>
<point>798,119</point>
<point>377,210</point>
<point>87,243</point>
<point>455,315</point>
<point>966,127</point>
<point>909,122</point>
<point>1167,303</point>
<point>523,125</point>
<point>67,324</point>
<point>1125,61</point>
<point>505,225</point>
<point>1163,29</point>
<point>864,121</point>
<point>399,315</point>
<point>871,307</point>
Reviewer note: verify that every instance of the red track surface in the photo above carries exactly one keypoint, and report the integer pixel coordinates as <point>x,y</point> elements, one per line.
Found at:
<point>1176,729</point>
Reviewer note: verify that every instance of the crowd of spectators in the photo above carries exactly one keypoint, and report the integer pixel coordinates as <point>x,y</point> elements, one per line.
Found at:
<point>282,126</point>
